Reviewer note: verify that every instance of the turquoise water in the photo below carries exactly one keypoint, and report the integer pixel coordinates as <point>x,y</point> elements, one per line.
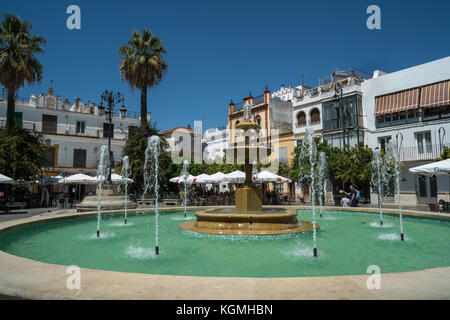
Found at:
<point>347,243</point>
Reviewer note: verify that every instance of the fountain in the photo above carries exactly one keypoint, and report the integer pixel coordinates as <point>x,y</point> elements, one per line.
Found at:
<point>126,170</point>
<point>309,151</point>
<point>321,175</point>
<point>102,171</point>
<point>392,155</point>
<point>247,217</point>
<point>380,177</point>
<point>151,173</point>
<point>185,174</point>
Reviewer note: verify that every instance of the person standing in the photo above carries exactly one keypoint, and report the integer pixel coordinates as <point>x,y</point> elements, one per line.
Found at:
<point>353,195</point>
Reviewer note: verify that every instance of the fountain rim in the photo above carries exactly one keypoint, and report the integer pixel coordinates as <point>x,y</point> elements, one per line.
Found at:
<point>27,286</point>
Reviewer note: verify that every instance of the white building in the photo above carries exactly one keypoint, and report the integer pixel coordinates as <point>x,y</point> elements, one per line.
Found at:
<point>73,134</point>
<point>411,106</point>
<point>214,142</point>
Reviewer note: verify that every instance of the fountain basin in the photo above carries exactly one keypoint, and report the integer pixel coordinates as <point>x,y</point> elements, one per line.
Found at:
<point>110,201</point>
<point>228,221</point>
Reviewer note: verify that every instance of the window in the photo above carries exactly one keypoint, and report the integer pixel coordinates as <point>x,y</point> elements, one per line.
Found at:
<point>383,141</point>
<point>315,116</point>
<point>433,187</point>
<point>79,158</point>
<point>258,119</point>
<point>108,130</point>
<point>49,123</point>
<point>423,142</point>
<point>282,154</point>
<point>80,126</point>
<point>422,186</point>
<point>18,119</point>
<point>49,157</point>
<point>301,118</point>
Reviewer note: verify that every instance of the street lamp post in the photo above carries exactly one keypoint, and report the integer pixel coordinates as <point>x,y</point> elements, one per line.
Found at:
<point>337,100</point>
<point>111,99</point>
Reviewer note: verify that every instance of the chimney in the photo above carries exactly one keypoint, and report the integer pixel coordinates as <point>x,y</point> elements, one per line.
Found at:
<point>266,95</point>
<point>231,107</point>
<point>250,98</point>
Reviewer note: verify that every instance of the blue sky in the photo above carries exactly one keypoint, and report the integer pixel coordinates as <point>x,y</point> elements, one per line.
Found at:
<point>222,50</point>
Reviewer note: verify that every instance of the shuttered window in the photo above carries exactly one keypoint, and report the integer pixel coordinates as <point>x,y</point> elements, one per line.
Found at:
<point>79,158</point>
<point>49,157</point>
<point>49,123</point>
<point>108,130</point>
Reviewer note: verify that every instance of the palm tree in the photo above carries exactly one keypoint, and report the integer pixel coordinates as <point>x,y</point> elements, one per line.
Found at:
<point>142,65</point>
<point>17,59</point>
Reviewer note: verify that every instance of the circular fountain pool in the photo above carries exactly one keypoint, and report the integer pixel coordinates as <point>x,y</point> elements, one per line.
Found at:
<point>348,242</point>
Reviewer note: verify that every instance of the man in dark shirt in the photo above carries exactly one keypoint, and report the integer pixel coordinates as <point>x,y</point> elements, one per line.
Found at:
<point>352,196</point>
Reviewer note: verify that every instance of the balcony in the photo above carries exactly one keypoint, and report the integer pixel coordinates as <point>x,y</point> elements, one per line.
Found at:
<point>428,152</point>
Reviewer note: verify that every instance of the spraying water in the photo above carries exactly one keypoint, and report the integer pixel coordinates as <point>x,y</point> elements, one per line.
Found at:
<point>126,170</point>
<point>254,171</point>
<point>309,150</point>
<point>380,177</point>
<point>321,175</point>
<point>393,156</point>
<point>152,151</point>
<point>102,172</point>
<point>185,175</point>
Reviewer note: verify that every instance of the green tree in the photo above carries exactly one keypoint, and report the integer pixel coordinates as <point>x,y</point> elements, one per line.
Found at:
<point>21,154</point>
<point>18,63</point>
<point>445,154</point>
<point>142,65</point>
<point>347,165</point>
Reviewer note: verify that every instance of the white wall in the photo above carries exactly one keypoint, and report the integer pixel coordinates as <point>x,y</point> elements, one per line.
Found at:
<point>420,75</point>
<point>66,136</point>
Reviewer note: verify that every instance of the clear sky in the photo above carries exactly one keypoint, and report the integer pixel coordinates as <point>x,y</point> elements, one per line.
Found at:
<point>221,50</point>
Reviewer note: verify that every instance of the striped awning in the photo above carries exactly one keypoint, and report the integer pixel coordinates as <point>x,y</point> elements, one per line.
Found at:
<point>397,102</point>
<point>435,95</point>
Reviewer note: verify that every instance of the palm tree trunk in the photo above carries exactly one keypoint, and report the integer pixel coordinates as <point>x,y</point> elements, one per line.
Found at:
<point>144,106</point>
<point>10,123</point>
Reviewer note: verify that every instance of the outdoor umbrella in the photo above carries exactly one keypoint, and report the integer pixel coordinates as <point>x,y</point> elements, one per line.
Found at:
<point>5,179</point>
<point>235,177</point>
<point>440,168</point>
<point>180,179</point>
<point>117,178</point>
<point>216,177</point>
<point>78,178</point>
<point>267,176</point>
<point>202,178</point>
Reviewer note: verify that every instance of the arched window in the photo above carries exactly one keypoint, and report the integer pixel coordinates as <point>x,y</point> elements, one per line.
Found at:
<point>315,116</point>
<point>301,118</point>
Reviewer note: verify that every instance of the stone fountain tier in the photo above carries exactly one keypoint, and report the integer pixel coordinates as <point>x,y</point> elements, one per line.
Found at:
<point>110,201</point>
<point>228,221</point>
